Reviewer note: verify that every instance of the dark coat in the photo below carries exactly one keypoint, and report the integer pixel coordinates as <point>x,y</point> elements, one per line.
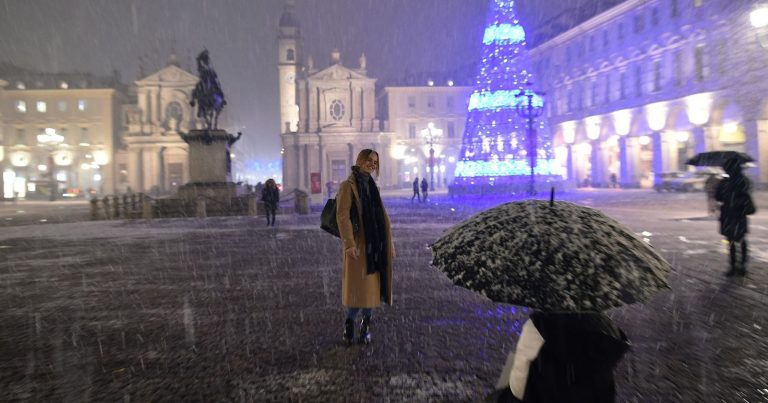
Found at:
<point>424,186</point>
<point>577,360</point>
<point>415,186</point>
<point>270,196</point>
<point>733,192</point>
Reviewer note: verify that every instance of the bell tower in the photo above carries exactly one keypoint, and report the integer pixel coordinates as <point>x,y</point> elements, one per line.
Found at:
<point>289,48</point>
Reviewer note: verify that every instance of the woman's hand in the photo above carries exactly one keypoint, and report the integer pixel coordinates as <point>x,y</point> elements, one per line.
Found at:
<point>352,252</point>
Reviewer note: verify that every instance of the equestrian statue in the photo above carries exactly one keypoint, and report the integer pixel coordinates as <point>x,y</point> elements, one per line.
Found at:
<point>207,93</point>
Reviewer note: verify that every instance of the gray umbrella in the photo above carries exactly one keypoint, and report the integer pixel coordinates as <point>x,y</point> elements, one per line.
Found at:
<point>718,158</point>
<point>553,256</point>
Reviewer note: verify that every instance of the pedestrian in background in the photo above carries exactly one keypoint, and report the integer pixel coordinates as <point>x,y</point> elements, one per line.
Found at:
<point>424,189</point>
<point>368,253</point>
<point>416,189</point>
<point>734,194</point>
<point>270,195</point>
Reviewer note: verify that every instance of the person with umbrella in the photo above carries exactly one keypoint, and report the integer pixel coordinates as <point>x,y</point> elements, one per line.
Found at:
<point>569,263</point>
<point>734,194</point>
<point>368,253</point>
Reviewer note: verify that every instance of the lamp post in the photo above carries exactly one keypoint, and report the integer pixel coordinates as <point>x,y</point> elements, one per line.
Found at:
<point>431,134</point>
<point>51,139</point>
<point>527,110</point>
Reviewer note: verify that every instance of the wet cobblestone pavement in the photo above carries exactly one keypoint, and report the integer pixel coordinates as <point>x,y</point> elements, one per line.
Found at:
<point>226,309</point>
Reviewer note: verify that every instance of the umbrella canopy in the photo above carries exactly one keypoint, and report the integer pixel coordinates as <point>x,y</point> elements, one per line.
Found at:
<point>718,158</point>
<point>552,256</point>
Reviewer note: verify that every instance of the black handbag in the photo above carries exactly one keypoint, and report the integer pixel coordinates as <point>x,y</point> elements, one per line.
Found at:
<point>328,218</point>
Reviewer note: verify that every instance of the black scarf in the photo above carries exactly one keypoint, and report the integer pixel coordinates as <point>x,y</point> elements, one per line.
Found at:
<point>376,247</point>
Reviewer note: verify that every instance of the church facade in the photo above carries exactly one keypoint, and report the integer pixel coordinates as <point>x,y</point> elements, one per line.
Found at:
<point>327,116</point>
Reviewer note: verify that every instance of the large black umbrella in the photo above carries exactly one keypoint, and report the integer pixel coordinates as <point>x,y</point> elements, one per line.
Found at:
<point>718,158</point>
<point>553,256</point>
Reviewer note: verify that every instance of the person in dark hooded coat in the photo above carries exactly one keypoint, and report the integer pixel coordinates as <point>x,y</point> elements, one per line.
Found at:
<point>734,194</point>
<point>565,357</point>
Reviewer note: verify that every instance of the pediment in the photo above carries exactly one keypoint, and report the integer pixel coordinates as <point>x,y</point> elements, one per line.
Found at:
<point>338,72</point>
<point>169,74</point>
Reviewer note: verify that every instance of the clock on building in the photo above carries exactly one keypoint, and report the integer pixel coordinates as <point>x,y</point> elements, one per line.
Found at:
<point>290,78</point>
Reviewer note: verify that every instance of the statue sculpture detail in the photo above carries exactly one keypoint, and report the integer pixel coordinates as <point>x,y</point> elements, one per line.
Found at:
<point>207,93</point>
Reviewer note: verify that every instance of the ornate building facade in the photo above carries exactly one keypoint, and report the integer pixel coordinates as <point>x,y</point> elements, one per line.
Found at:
<point>639,88</point>
<point>109,138</point>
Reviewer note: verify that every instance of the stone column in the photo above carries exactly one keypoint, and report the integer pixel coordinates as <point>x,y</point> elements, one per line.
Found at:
<point>569,165</point>
<point>658,161</point>
<point>669,154</point>
<point>302,169</point>
<point>134,170</point>
<point>756,145</point>
<point>629,162</point>
<point>599,177</point>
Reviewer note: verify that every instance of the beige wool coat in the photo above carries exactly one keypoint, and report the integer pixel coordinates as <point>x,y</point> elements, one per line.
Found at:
<point>358,288</point>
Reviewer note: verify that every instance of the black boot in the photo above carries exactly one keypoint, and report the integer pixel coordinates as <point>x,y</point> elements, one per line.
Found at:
<point>349,331</point>
<point>743,267</point>
<point>732,255</point>
<point>365,335</point>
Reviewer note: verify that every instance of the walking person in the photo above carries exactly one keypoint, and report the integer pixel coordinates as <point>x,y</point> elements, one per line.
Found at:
<point>734,194</point>
<point>270,195</point>
<point>416,190</point>
<point>424,189</point>
<point>564,357</point>
<point>368,253</point>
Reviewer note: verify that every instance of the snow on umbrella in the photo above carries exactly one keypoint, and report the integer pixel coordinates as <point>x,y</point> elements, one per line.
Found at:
<point>552,256</point>
<point>718,158</point>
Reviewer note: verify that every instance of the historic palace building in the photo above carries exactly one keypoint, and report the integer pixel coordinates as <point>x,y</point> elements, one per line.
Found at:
<point>637,89</point>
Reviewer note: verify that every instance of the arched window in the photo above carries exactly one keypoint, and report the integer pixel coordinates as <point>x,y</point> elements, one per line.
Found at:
<point>290,55</point>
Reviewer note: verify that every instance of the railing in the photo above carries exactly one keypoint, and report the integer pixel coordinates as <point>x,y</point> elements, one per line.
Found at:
<point>141,205</point>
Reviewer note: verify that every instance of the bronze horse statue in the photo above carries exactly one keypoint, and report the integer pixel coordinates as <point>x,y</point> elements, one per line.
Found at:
<point>207,93</point>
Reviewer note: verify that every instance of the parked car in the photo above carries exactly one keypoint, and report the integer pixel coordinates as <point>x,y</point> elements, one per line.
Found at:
<point>682,181</point>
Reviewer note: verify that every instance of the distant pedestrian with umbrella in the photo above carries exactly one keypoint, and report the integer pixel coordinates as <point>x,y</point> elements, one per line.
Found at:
<point>270,195</point>
<point>368,253</point>
<point>569,263</point>
<point>734,194</point>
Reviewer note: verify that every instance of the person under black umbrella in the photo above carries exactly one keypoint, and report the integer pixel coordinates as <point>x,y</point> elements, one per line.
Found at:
<point>734,194</point>
<point>569,263</point>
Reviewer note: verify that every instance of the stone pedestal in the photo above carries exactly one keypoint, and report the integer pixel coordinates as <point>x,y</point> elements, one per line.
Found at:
<point>209,165</point>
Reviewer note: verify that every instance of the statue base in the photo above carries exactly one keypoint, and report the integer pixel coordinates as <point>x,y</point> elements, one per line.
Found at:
<point>209,158</point>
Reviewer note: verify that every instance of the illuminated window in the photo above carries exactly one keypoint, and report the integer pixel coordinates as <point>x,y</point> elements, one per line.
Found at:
<point>85,137</point>
<point>21,106</point>
<point>82,105</point>
<point>677,67</point>
<point>656,75</point>
<point>698,62</point>
<point>42,107</point>
<point>21,86</point>
<point>639,23</point>
<point>21,137</point>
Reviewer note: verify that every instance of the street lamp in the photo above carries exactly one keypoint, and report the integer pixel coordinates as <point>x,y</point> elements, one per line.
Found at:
<point>431,134</point>
<point>51,139</point>
<point>528,110</point>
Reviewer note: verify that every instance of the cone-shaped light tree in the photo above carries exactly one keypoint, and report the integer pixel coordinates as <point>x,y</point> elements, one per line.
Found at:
<point>496,144</point>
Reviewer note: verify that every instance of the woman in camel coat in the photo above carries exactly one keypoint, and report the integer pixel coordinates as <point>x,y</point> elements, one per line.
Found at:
<point>368,252</point>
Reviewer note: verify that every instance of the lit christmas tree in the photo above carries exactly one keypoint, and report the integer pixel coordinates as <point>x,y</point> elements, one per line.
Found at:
<point>496,146</point>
